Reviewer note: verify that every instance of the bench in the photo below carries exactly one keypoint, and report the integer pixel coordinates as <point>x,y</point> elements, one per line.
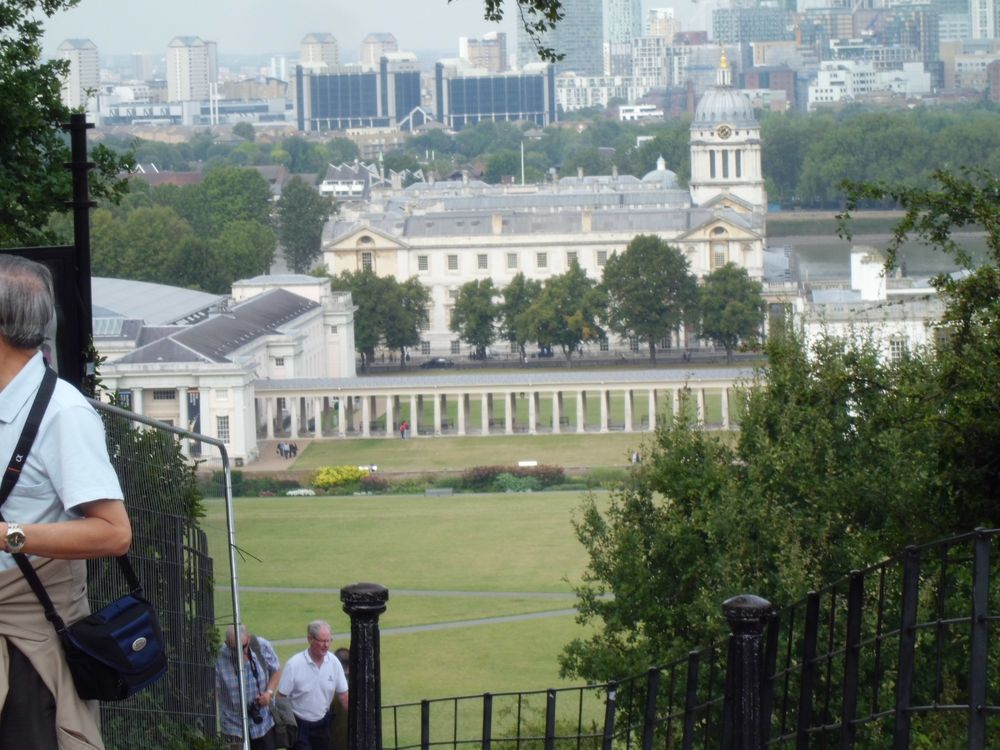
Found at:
<point>438,491</point>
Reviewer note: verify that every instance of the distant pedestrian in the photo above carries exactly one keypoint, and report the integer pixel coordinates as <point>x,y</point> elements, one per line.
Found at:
<point>293,450</point>
<point>403,427</point>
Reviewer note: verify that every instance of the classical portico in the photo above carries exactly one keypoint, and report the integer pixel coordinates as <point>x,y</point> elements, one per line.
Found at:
<point>478,404</point>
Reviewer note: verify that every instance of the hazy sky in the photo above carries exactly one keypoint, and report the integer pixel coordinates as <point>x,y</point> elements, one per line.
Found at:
<point>277,26</point>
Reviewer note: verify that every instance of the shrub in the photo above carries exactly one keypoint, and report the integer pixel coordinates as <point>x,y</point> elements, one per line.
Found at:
<point>374,483</point>
<point>506,482</point>
<point>484,478</point>
<point>607,478</point>
<point>331,477</point>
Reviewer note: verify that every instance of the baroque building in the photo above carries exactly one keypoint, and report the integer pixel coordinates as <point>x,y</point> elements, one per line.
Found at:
<point>448,233</point>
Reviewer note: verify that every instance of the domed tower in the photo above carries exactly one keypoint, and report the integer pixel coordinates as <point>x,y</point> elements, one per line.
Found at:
<point>725,145</point>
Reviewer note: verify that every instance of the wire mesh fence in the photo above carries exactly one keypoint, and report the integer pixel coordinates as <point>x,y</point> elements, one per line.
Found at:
<point>170,556</point>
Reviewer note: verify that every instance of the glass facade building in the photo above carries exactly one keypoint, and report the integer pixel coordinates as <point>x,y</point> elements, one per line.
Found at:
<point>355,98</point>
<point>465,100</point>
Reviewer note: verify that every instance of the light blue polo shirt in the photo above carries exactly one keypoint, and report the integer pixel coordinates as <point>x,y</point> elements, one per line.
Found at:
<point>68,464</point>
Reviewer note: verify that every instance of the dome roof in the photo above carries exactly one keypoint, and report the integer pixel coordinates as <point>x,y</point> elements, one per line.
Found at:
<point>661,175</point>
<point>724,104</point>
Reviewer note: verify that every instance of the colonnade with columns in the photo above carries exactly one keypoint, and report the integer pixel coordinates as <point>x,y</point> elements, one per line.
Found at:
<point>489,410</point>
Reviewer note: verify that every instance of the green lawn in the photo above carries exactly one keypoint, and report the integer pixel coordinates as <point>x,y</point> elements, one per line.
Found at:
<point>456,454</point>
<point>444,560</point>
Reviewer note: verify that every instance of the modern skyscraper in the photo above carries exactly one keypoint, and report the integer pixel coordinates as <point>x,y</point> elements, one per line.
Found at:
<point>84,72</point>
<point>579,37</point>
<point>319,51</point>
<point>623,22</point>
<point>375,46</point>
<point>984,18</point>
<point>188,69</point>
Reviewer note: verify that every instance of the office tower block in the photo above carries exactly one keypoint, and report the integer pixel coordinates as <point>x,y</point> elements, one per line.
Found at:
<point>488,52</point>
<point>579,37</point>
<point>661,22</point>
<point>84,72</point>
<point>319,51</point>
<point>188,69</point>
<point>375,46</point>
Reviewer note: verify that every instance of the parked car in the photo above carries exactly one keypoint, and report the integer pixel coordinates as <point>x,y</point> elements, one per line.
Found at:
<point>437,363</point>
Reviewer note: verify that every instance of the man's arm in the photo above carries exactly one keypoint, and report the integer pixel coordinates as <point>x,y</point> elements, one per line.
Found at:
<point>103,531</point>
<point>341,698</point>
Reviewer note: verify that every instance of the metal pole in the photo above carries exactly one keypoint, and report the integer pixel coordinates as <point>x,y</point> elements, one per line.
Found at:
<point>364,602</point>
<point>747,615</point>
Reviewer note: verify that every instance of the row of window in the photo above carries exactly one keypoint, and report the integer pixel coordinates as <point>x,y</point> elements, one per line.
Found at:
<point>513,261</point>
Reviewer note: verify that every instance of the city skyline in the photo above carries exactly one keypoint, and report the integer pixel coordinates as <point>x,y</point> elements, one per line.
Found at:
<point>259,27</point>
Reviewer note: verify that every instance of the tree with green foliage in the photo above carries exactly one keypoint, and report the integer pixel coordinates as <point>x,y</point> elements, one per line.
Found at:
<point>842,458</point>
<point>301,215</point>
<point>230,194</point>
<point>518,297</point>
<point>566,311</point>
<point>406,316</point>
<point>649,291</point>
<point>731,308</point>
<point>244,249</point>
<point>34,180</point>
<point>244,130</point>
<point>370,293</point>
<point>475,314</point>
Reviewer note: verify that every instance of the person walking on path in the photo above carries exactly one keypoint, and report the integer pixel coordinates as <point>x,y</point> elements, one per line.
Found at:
<point>312,679</point>
<point>261,671</point>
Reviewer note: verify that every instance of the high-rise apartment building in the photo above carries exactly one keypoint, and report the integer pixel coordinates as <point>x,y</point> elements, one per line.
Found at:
<point>745,25</point>
<point>984,18</point>
<point>84,74</point>
<point>143,66</point>
<point>189,69</point>
<point>579,37</point>
<point>488,52</point>
<point>319,51</point>
<point>375,46</point>
<point>623,22</point>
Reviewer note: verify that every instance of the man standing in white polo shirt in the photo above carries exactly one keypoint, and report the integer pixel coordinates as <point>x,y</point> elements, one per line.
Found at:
<point>311,679</point>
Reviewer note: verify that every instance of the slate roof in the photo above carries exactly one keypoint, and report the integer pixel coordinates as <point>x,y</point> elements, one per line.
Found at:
<point>156,304</point>
<point>216,338</point>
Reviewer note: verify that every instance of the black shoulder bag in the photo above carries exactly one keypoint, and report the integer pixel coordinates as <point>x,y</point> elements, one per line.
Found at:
<point>117,651</point>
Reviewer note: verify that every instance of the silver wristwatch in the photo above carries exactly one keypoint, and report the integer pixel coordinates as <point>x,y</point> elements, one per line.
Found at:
<point>15,538</point>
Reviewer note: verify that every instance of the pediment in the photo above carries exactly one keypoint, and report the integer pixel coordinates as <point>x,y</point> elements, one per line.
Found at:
<point>355,238</point>
<point>732,230</point>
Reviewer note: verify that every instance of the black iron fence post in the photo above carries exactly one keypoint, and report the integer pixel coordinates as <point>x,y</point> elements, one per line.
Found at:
<point>487,721</point>
<point>691,700</point>
<point>609,716</point>
<point>978,641</point>
<point>907,648</point>
<point>747,615</point>
<point>852,658</point>
<point>807,681</point>
<point>364,602</point>
<point>649,717</point>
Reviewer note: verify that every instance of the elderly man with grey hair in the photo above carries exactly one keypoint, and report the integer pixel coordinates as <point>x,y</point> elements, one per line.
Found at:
<point>311,679</point>
<point>65,507</point>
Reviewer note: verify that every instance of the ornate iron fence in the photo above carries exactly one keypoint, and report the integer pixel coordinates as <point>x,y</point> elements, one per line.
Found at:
<point>897,655</point>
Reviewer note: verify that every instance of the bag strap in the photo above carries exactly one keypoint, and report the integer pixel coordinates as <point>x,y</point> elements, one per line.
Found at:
<point>10,477</point>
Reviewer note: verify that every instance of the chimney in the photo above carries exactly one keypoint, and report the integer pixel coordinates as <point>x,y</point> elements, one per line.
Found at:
<point>579,172</point>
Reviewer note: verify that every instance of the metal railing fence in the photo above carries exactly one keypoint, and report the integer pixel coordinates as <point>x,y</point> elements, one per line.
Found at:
<point>896,655</point>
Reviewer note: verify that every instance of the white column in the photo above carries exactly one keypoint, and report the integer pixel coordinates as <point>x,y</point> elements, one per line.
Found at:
<point>293,416</point>
<point>414,416</point>
<point>725,409</point>
<point>510,403</point>
<point>269,416</point>
<point>532,412</point>
<point>700,402</point>
<point>317,417</point>
<point>486,412</point>
<point>137,400</point>
<point>462,413</point>
<point>342,415</point>
<point>556,411</point>
<point>366,417</point>
<point>437,413</point>
<point>676,402</point>
<point>182,420</point>
<point>627,397</point>
<point>651,396</point>
<point>605,410</point>
<point>581,411</point>
<point>237,431</point>
<point>390,417</point>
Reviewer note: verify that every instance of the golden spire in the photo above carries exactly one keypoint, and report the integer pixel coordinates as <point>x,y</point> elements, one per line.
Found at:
<point>723,60</point>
